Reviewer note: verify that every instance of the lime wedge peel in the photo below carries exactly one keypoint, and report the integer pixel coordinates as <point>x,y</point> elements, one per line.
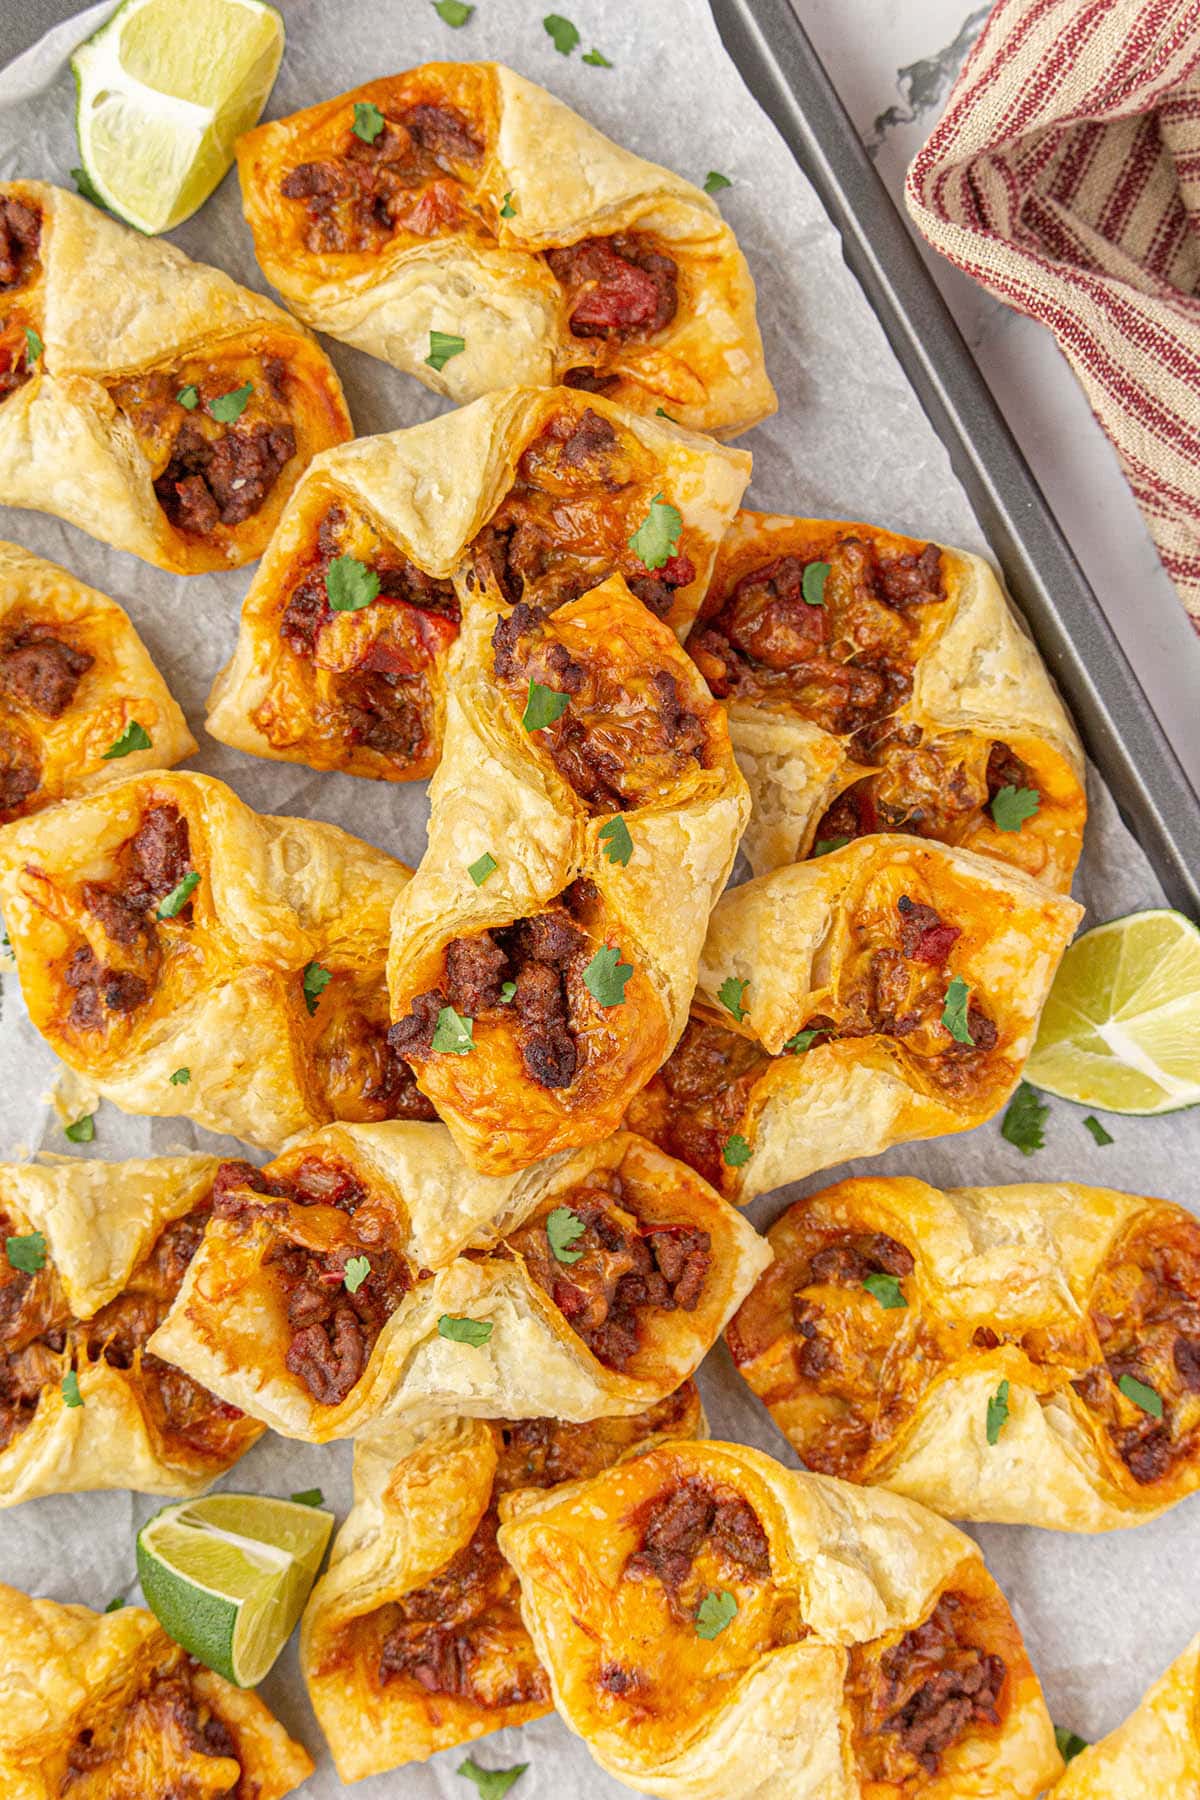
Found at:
<point>1121,1029</point>
<point>227,1576</point>
<point>163,91</point>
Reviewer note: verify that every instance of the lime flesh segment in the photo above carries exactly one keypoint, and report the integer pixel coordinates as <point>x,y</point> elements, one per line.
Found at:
<point>1121,1028</point>
<point>164,89</point>
<point>227,1576</point>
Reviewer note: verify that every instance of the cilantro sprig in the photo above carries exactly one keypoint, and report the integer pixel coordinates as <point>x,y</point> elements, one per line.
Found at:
<point>732,995</point>
<point>26,1252</point>
<point>1024,1124</point>
<point>1013,805</point>
<point>563,1227</point>
<point>350,585</point>
<point>736,1153</point>
<point>716,1611</point>
<point>562,34</point>
<point>314,982</point>
<point>453,1035</point>
<point>618,845</point>
<point>355,1273</point>
<point>657,537</point>
<point>606,976</point>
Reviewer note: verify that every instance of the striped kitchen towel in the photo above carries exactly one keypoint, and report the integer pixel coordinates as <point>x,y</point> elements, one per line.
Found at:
<point>1065,177</point>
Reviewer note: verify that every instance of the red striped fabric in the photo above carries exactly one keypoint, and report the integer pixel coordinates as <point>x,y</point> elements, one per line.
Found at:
<point>1064,177</point>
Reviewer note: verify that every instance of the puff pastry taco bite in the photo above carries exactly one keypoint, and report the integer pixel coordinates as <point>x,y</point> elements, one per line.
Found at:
<point>94,1256</point>
<point>585,814</point>
<point>462,224</point>
<point>350,620</point>
<point>888,991</point>
<point>1155,1754</point>
<point>172,425</point>
<point>714,1624</point>
<point>104,1704</point>
<point>413,1640</point>
<point>75,677</point>
<point>876,683</point>
<point>329,1291</point>
<point>893,1315</point>
<point>190,956</point>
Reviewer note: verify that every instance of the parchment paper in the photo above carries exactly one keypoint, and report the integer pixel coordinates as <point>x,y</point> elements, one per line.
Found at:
<point>1102,1616</point>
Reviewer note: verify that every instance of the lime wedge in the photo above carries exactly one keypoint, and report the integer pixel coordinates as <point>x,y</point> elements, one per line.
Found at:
<point>1121,1028</point>
<point>227,1576</point>
<point>163,90</point>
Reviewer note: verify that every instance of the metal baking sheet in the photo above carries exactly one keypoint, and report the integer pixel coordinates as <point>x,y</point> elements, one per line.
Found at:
<point>778,63</point>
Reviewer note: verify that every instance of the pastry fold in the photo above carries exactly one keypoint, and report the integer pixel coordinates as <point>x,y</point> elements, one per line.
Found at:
<point>251,1000</point>
<point>1155,1754</point>
<point>115,1241</point>
<point>104,1704</point>
<point>412,1641</point>
<point>74,676</point>
<point>102,331</point>
<point>1062,1293</point>
<point>459,200</point>
<point>536,492</point>
<point>533,1000</point>
<point>904,695</point>
<point>713,1624</point>
<point>328,1292</point>
<point>888,991</point>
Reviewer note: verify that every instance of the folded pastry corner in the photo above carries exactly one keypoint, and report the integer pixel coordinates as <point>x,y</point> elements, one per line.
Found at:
<point>81,703</point>
<point>714,1624</point>
<point>584,817</point>
<point>887,991</point>
<point>100,1704</point>
<point>330,1291</point>
<point>349,623</point>
<point>467,227</point>
<point>878,683</point>
<point>894,1315</point>
<point>94,1257</point>
<point>190,956</point>
<point>173,424</point>
<point>1155,1754</point>
<point>412,1642</point>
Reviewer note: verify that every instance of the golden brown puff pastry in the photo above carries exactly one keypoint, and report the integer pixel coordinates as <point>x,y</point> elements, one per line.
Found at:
<point>585,814</point>
<point>893,1313</point>
<point>103,1706</point>
<point>251,1000</point>
<point>904,696</point>
<point>95,1256</point>
<point>320,1297</point>
<point>829,1001</point>
<point>74,676</point>
<point>459,199</point>
<point>1155,1754</point>
<point>547,490</point>
<point>144,397</point>
<point>412,1641</point>
<point>714,1624</point>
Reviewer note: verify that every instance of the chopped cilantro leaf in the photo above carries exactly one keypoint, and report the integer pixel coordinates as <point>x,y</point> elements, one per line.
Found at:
<point>83,1130</point>
<point>717,1610</point>
<point>316,980</point>
<point>181,1077</point>
<point>33,346</point>
<point>1069,1743</point>
<point>803,1040</point>
<point>453,1035</point>
<point>736,1153</point>
<point>508,210</point>
<point>134,737</point>
<point>563,1226</point>
<point>368,121</point>
<point>178,897</point>
<point>70,1389</point>
<point>563,34</point>
<point>823,846</point>
<point>887,1290</point>
<point>189,397</point>
<point>606,975</point>
<point>308,1497</point>
<point>954,1013</point>
<point>350,585</point>
<point>812,585</point>
<point>27,1253</point>
<point>1142,1395</point>
<point>1097,1130</point>
<point>492,1784</point>
<point>618,845</point>
<point>453,12</point>
<point>543,706</point>
<point>507,990</point>
<point>732,994</point>
<point>442,346</point>
<point>596,60</point>
<point>997,1413</point>
<point>657,537</point>
<point>714,181</point>
<point>464,1331</point>
<point>482,867</point>
<point>1025,1121</point>
<point>228,407</point>
<point>1013,805</point>
<point>355,1273</point>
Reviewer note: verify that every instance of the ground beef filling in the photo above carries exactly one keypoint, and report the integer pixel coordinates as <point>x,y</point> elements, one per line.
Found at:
<point>384,700</point>
<point>37,1327</point>
<point>700,1097</point>
<point>844,664</point>
<point>1145,1308</point>
<point>919,790</point>
<point>332,1331</point>
<point>364,1079</point>
<point>20,237</point>
<point>412,177</point>
<point>225,481</point>
<point>538,963</point>
<point>149,866</point>
<point>677,1526</point>
<point>40,670</point>
<point>625,739</point>
<point>625,1268</point>
<point>618,288</point>
<point>564,525</point>
<point>923,1696</point>
<point>166,1727</point>
<point>20,771</point>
